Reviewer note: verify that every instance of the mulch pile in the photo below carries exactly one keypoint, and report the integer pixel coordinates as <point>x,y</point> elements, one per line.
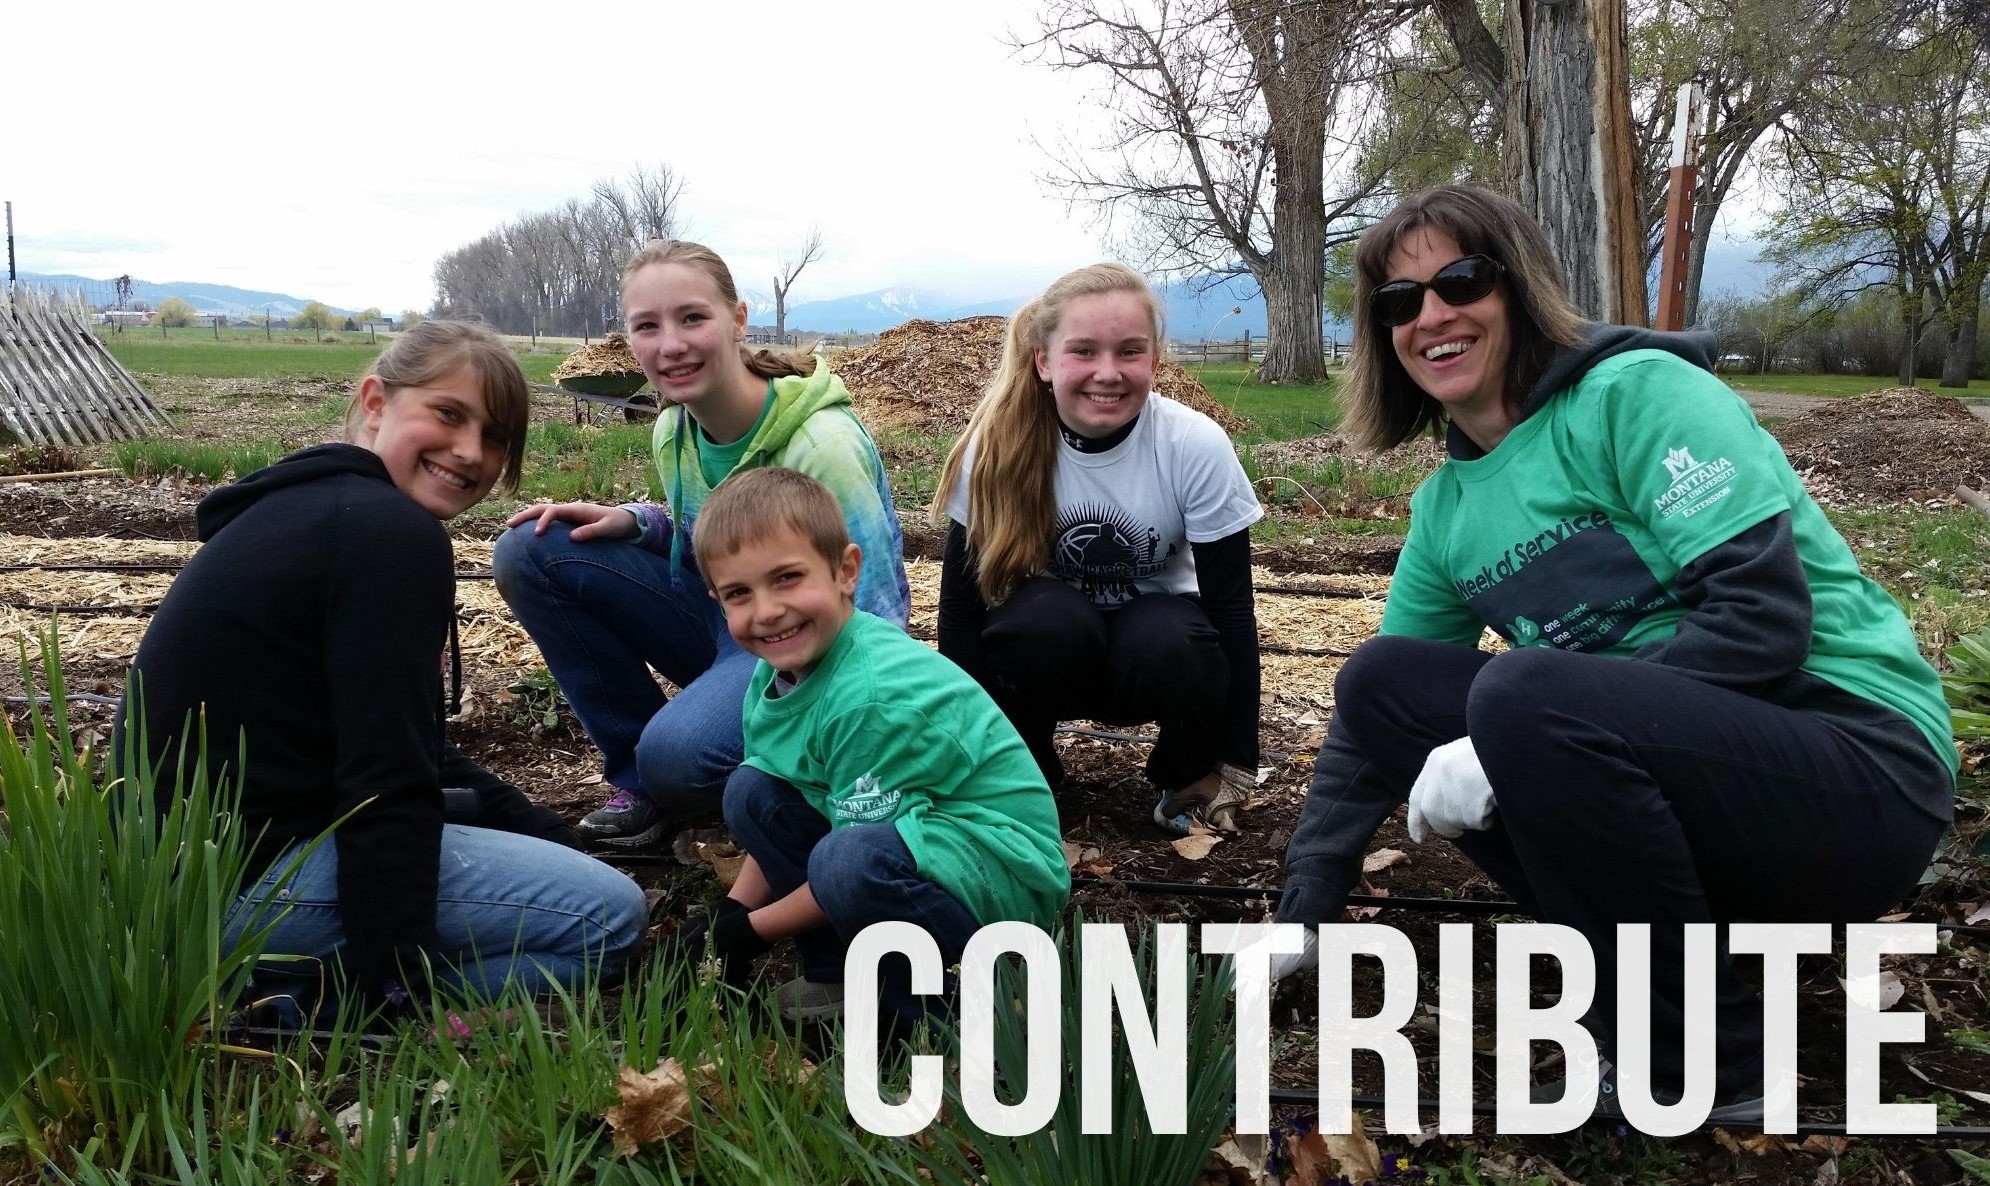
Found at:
<point>1901,444</point>
<point>927,376</point>
<point>610,356</point>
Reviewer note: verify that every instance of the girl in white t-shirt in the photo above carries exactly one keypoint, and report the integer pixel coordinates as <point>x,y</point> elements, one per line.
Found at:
<point>1098,560</point>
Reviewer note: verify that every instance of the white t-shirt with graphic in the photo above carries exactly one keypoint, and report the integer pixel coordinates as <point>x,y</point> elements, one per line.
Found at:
<point>1125,517</point>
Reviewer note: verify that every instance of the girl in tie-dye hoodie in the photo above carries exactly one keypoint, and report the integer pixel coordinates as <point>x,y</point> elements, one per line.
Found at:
<point>611,593</point>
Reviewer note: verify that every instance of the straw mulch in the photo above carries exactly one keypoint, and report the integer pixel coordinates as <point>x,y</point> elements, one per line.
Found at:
<point>492,640</point>
<point>926,377</point>
<point>1898,445</point>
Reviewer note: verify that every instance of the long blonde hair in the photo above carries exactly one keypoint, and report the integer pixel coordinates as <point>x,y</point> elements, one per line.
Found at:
<point>1012,491</point>
<point>764,363</point>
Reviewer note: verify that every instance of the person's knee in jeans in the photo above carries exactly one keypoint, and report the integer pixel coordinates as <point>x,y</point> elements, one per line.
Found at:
<point>863,875</point>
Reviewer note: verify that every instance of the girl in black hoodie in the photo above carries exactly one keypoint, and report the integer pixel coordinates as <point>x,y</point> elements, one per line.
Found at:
<point>306,636</point>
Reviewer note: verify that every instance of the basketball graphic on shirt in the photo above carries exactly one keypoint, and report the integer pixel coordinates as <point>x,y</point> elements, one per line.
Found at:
<point>1104,552</point>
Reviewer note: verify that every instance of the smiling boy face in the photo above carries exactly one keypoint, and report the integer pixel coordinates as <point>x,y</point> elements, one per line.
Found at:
<point>783,599</point>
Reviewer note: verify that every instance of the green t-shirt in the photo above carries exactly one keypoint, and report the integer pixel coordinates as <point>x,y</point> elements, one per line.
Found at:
<point>1572,533</point>
<point>717,461</point>
<point>885,729</point>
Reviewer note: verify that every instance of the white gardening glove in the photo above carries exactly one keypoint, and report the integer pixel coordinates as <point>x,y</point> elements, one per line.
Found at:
<point>1451,795</point>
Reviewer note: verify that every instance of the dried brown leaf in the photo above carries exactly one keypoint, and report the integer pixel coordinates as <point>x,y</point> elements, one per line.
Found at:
<point>1383,858</point>
<point>654,1107</point>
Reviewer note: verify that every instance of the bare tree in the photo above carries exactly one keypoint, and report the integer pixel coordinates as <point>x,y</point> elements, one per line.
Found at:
<point>1222,118</point>
<point>784,278</point>
<point>560,271</point>
<point>646,203</point>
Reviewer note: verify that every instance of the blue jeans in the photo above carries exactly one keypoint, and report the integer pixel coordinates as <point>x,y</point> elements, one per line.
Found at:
<point>508,908</point>
<point>604,613</point>
<point>860,874</point>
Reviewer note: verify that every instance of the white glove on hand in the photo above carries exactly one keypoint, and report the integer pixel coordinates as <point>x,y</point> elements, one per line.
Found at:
<point>1451,795</point>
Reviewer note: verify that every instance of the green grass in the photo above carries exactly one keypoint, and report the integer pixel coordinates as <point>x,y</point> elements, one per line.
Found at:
<point>153,458</point>
<point>1922,553</point>
<point>584,463</point>
<point>1839,385</point>
<point>285,354</point>
<point>1277,412</point>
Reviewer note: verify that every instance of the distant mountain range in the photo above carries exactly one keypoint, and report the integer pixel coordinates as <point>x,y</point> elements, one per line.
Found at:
<point>1191,314</point>
<point>205,298</point>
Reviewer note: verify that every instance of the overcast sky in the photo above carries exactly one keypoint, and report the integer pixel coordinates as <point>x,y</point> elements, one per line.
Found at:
<point>335,152</point>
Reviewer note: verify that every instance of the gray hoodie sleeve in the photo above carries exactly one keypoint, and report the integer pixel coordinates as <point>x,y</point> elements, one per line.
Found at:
<point>1748,612</point>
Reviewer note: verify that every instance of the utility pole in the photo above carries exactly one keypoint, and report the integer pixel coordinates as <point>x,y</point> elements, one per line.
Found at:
<point>1678,242</point>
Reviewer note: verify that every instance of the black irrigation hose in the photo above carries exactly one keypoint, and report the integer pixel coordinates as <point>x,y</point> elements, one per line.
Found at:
<point>485,575</point>
<point>1484,907</point>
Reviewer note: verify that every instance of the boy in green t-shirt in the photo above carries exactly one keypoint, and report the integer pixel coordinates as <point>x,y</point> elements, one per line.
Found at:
<point>880,783</point>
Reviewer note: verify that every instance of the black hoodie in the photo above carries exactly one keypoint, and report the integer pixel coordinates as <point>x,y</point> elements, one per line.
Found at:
<point>309,630</point>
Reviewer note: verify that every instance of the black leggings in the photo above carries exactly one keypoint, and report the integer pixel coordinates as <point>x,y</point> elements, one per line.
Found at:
<point>1052,656</point>
<point>1628,792</point>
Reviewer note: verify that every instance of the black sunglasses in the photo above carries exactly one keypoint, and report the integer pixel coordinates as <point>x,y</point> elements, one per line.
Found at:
<point>1459,282</point>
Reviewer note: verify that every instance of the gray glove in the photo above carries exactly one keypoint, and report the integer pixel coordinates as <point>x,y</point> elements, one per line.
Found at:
<point>1451,795</point>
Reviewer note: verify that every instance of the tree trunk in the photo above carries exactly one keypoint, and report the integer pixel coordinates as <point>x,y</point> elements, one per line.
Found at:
<point>1910,317</point>
<point>1288,46</point>
<point>1566,152</point>
<point>1959,363</point>
<point>1294,277</point>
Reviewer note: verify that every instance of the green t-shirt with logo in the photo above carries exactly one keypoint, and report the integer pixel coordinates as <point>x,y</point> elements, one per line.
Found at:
<point>886,730</point>
<point>1572,533</point>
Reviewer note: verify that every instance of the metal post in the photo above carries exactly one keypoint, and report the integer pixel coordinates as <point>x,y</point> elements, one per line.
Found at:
<point>10,252</point>
<point>1678,244</point>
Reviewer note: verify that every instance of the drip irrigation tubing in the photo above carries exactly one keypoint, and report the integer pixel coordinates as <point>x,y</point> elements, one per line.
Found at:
<point>485,575</point>
<point>1483,907</point>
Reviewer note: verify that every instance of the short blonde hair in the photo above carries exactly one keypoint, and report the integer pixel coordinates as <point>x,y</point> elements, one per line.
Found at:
<point>751,505</point>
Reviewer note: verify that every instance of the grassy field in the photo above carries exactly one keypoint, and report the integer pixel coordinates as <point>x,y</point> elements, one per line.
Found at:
<point>1276,413</point>
<point>1842,385</point>
<point>285,354</point>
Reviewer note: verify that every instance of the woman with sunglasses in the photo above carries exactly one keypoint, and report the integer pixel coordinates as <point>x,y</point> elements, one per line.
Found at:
<point>1703,710</point>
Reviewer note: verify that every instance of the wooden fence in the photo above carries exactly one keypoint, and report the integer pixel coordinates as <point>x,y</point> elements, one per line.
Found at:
<point>1247,349</point>
<point>59,385</point>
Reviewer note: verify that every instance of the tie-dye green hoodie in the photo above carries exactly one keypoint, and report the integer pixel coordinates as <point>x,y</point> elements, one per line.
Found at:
<point>811,428</point>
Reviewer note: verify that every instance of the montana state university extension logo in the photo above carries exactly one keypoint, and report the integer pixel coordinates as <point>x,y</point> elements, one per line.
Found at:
<point>1678,462</point>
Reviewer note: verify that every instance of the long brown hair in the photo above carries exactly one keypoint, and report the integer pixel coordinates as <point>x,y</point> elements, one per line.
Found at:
<point>1382,406</point>
<point>1012,491</point>
<point>434,350</point>
<point>764,363</point>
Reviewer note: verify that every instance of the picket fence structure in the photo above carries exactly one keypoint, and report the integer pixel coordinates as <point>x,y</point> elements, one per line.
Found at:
<point>58,383</point>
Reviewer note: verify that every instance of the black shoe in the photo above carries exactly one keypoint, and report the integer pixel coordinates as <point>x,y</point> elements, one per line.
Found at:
<point>627,820</point>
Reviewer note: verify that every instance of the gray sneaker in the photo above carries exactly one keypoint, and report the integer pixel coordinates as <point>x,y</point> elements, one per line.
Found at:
<point>808,1000</point>
<point>1735,1109</point>
<point>627,820</point>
